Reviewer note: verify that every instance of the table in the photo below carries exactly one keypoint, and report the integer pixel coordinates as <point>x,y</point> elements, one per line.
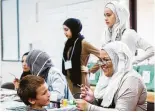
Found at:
<point>9,100</point>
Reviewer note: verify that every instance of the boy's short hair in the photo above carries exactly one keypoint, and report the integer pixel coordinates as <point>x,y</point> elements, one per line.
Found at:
<point>28,87</point>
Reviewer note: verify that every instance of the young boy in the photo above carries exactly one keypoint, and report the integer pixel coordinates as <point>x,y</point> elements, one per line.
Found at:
<point>33,91</point>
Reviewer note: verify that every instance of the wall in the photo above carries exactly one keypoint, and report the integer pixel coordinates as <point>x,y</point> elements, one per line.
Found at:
<point>40,24</point>
<point>145,23</point>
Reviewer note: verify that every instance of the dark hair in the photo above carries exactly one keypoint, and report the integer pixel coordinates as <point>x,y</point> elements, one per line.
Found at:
<point>28,86</point>
<point>25,54</point>
<point>26,72</point>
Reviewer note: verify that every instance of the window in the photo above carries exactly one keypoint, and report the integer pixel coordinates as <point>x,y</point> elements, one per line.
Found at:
<point>10,30</point>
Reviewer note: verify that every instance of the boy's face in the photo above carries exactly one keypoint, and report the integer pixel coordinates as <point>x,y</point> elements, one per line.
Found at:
<point>42,98</point>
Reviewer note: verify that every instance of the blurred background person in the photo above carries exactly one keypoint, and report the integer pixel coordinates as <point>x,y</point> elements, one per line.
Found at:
<point>26,70</point>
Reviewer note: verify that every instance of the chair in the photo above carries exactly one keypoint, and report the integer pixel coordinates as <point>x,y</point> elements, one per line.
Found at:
<point>8,85</point>
<point>150,69</point>
<point>97,75</point>
<point>150,106</point>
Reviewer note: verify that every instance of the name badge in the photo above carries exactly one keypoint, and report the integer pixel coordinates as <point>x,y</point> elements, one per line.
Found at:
<point>68,65</point>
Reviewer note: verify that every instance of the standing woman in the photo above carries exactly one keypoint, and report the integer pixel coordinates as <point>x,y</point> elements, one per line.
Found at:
<point>116,17</point>
<point>76,54</point>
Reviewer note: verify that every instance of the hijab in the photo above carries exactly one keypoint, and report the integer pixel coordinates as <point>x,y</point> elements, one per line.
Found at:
<point>122,16</point>
<point>39,63</point>
<point>75,72</point>
<point>121,56</point>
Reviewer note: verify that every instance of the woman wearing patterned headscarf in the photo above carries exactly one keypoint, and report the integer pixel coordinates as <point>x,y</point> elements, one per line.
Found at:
<point>76,54</point>
<point>40,64</point>
<point>122,89</point>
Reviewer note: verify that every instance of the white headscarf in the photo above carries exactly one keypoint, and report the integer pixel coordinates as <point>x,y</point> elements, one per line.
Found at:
<point>122,16</point>
<point>107,87</point>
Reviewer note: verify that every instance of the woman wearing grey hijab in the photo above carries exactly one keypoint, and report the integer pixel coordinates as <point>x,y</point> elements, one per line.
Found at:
<point>122,89</point>
<point>40,64</point>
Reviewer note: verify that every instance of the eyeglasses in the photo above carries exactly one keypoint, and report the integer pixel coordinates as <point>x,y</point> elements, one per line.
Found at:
<point>103,61</point>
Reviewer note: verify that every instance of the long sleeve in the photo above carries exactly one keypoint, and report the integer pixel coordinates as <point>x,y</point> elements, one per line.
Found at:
<point>134,42</point>
<point>130,97</point>
<point>149,51</point>
<point>90,49</point>
<point>56,84</point>
<point>94,68</point>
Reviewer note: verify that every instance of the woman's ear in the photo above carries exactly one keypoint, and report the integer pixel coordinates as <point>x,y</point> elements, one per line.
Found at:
<point>32,101</point>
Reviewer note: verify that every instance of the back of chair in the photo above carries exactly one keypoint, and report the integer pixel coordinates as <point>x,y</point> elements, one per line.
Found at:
<point>8,85</point>
<point>150,106</point>
<point>147,72</point>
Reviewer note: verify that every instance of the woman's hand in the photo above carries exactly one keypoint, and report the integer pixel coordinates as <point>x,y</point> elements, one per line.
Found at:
<point>16,83</point>
<point>87,94</point>
<point>81,104</point>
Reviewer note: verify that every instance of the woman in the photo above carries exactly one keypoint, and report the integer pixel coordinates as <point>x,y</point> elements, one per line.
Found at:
<point>116,18</point>
<point>26,70</point>
<point>40,64</point>
<point>120,87</point>
<point>76,54</point>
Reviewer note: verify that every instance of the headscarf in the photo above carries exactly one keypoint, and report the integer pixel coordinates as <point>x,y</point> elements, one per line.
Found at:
<point>39,63</point>
<point>122,16</point>
<point>121,56</point>
<point>75,72</point>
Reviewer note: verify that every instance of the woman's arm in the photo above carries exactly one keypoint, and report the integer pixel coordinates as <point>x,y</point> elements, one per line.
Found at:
<point>149,51</point>
<point>94,68</point>
<point>90,49</point>
<point>58,85</point>
<point>129,96</point>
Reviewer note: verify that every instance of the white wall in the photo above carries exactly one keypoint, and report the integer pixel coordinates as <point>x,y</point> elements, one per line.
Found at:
<point>145,23</point>
<point>41,25</point>
<point>145,19</point>
<point>0,47</point>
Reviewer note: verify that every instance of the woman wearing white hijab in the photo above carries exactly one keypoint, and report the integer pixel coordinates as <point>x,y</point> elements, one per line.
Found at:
<point>122,89</point>
<point>116,17</point>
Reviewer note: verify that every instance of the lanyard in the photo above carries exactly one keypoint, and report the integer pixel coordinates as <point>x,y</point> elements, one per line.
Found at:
<point>72,50</point>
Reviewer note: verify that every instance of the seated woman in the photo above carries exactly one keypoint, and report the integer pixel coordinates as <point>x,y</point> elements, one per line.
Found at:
<point>119,88</point>
<point>40,64</point>
<point>26,70</point>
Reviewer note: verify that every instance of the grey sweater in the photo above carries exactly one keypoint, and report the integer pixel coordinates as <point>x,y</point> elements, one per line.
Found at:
<point>131,96</point>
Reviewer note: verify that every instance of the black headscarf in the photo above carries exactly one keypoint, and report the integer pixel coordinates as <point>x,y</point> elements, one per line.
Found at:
<point>75,72</point>
<point>27,72</point>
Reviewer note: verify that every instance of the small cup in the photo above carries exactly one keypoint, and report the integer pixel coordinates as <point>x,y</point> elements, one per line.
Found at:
<point>64,102</point>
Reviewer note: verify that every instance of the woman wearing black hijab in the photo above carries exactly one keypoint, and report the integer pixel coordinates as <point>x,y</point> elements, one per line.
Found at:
<point>76,54</point>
